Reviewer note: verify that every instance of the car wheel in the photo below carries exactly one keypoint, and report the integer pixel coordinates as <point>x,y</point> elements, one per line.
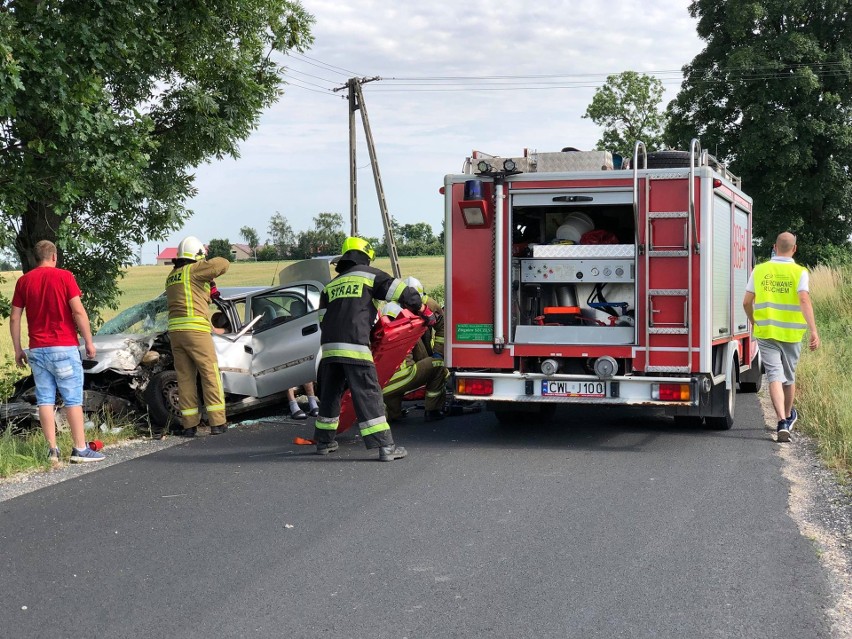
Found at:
<point>161,396</point>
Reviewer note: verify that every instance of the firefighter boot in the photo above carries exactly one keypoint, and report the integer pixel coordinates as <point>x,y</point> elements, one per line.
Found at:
<point>389,453</point>
<point>433,415</point>
<point>325,449</point>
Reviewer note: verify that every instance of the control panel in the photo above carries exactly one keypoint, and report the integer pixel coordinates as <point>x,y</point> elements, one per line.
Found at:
<point>555,270</point>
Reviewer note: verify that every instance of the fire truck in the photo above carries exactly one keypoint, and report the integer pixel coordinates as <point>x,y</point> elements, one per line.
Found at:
<point>577,278</point>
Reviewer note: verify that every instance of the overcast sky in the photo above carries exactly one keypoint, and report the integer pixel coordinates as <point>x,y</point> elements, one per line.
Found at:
<point>492,76</point>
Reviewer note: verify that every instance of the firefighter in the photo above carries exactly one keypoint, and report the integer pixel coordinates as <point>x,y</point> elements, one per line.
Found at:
<point>433,338</point>
<point>347,312</point>
<point>418,369</point>
<point>188,289</point>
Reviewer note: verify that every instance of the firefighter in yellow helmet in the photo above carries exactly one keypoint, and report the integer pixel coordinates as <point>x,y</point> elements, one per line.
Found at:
<point>347,312</point>
<point>188,289</point>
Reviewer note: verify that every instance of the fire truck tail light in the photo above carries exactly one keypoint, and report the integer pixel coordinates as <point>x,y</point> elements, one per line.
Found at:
<point>717,183</point>
<point>475,386</point>
<point>671,392</point>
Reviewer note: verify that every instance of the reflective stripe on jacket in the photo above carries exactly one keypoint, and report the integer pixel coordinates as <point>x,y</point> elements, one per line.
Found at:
<point>777,312</point>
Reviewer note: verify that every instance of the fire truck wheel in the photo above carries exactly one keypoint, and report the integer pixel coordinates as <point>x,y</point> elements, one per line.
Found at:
<point>752,380</point>
<point>688,421</point>
<point>725,399</point>
<point>505,416</point>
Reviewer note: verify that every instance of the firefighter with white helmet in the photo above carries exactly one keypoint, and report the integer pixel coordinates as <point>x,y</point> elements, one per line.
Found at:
<point>418,369</point>
<point>347,312</point>
<point>188,291</point>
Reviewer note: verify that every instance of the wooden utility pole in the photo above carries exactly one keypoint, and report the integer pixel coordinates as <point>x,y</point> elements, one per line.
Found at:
<point>356,103</point>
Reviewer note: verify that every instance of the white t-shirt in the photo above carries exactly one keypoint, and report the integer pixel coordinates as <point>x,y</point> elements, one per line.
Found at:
<point>804,280</point>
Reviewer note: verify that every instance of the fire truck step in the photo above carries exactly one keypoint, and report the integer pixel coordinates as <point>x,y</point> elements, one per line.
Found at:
<point>667,215</point>
<point>667,369</point>
<point>673,292</point>
<point>667,330</point>
<point>681,253</point>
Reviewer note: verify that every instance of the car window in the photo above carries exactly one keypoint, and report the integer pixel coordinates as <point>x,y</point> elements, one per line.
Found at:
<point>148,317</point>
<point>283,305</point>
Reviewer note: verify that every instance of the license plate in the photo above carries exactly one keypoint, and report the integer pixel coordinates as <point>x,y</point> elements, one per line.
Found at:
<point>573,389</point>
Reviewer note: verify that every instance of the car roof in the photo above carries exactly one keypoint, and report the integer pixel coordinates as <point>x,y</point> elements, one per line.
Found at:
<point>231,292</point>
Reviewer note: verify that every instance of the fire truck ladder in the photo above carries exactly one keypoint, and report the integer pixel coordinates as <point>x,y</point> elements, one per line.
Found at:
<point>668,257</point>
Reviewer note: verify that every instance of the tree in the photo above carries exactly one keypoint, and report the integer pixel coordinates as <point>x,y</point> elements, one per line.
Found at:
<point>771,95</point>
<point>627,106</point>
<point>106,108</point>
<point>251,238</point>
<point>282,235</point>
<point>330,234</point>
<point>220,248</point>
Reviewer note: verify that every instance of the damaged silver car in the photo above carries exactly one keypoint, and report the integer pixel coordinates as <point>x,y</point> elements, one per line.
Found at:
<point>267,340</point>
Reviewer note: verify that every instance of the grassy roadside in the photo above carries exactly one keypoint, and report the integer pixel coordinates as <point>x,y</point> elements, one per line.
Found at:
<point>823,398</point>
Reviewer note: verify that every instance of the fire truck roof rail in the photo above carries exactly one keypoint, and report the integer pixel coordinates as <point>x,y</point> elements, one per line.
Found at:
<point>719,166</point>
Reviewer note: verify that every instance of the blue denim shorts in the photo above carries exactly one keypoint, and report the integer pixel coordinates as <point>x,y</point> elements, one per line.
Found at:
<point>57,367</point>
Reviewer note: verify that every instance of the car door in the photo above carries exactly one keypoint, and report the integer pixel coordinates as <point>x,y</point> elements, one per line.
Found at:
<point>233,347</point>
<point>285,342</point>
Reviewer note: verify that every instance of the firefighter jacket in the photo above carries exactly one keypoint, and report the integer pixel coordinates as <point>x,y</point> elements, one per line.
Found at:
<point>777,312</point>
<point>188,294</point>
<point>433,338</point>
<point>347,310</point>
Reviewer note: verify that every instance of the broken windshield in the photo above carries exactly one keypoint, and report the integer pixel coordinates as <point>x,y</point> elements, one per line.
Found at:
<point>142,319</point>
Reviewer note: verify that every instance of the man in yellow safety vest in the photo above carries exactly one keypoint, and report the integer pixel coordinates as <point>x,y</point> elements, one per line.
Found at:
<point>778,304</point>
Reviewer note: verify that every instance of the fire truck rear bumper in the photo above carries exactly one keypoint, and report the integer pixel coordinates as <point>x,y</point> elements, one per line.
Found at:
<point>580,389</point>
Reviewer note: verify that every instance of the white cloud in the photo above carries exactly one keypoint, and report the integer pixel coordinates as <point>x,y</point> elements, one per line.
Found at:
<point>297,160</point>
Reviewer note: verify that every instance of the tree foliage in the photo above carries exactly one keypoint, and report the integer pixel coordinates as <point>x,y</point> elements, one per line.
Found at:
<point>771,94</point>
<point>282,236</point>
<point>250,237</point>
<point>107,107</point>
<point>326,238</point>
<point>220,248</point>
<point>627,106</point>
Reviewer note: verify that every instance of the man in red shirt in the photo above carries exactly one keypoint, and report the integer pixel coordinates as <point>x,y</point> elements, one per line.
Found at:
<point>55,313</point>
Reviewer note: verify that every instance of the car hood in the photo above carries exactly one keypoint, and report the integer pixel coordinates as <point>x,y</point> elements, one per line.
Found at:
<point>121,352</point>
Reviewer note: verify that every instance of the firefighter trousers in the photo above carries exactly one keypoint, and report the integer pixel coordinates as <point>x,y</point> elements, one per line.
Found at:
<point>195,357</point>
<point>366,399</point>
<point>429,372</point>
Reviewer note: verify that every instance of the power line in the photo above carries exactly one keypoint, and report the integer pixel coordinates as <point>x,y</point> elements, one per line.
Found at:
<point>330,67</point>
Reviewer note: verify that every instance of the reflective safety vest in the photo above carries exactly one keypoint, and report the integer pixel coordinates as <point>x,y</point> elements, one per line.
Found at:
<point>777,312</point>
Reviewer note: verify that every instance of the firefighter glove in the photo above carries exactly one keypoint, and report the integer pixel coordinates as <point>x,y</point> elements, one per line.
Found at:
<point>428,316</point>
<point>214,292</point>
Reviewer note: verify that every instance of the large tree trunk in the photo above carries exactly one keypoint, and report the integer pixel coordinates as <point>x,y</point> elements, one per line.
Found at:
<point>40,222</point>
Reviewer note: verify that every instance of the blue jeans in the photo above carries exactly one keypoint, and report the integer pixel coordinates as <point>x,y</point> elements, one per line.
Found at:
<point>57,367</point>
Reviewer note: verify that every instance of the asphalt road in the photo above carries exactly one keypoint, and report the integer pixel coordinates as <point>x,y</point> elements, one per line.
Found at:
<point>600,524</point>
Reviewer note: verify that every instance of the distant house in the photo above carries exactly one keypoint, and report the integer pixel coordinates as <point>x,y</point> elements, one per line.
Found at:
<point>166,256</point>
<point>241,252</point>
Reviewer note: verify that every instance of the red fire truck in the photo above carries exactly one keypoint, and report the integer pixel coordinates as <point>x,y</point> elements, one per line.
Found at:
<point>574,280</point>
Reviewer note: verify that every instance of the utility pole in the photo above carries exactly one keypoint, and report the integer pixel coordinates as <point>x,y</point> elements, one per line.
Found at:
<point>356,103</point>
